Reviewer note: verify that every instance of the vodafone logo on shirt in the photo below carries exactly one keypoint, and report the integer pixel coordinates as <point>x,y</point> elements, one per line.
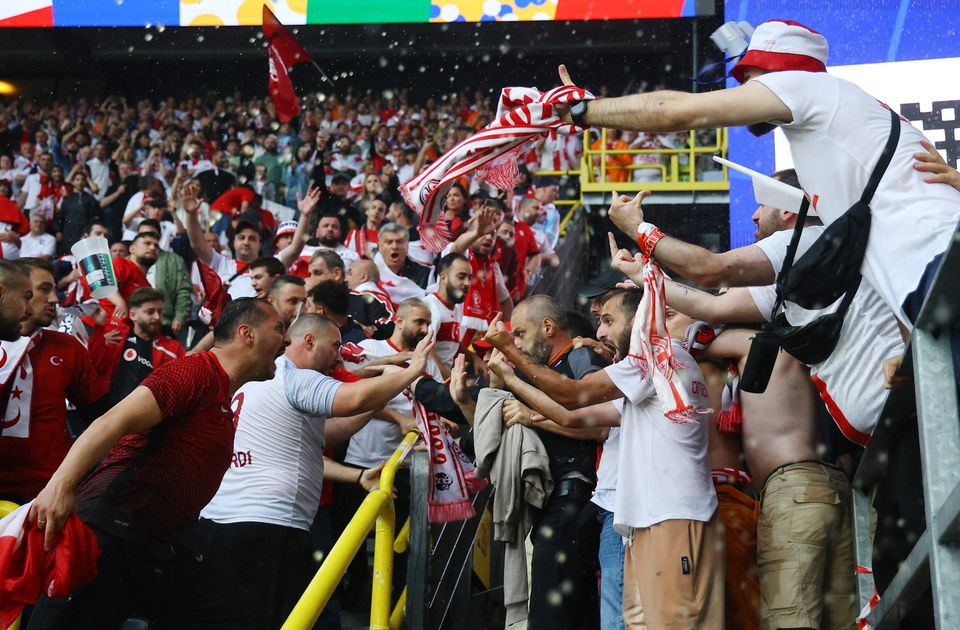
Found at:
<point>129,354</point>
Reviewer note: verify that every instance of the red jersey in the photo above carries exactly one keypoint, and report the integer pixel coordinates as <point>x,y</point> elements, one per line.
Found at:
<point>151,485</point>
<point>525,244</point>
<point>36,438</point>
<point>129,279</point>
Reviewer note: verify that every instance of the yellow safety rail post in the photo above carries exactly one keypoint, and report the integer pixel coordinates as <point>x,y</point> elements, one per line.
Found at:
<point>376,507</point>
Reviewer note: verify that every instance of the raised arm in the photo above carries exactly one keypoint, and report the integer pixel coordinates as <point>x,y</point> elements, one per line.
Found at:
<point>666,110</point>
<point>191,205</point>
<point>479,226</point>
<point>734,306</point>
<point>306,205</point>
<point>374,393</point>
<point>740,267</point>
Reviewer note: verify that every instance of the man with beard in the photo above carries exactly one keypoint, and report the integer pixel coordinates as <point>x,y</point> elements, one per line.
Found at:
<point>140,349</point>
<point>375,443</point>
<point>488,292</point>
<point>666,506</point>
<point>287,295</point>
<point>131,273</point>
<point>16,291</point>
<point>42,370</point>
<point>563,595</point>
<point>141,473</point>
<point>446,306</point>
<point>171,276</point>
<point>329,236</point>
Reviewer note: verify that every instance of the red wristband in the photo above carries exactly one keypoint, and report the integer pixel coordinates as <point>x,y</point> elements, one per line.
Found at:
<point>648,235</point>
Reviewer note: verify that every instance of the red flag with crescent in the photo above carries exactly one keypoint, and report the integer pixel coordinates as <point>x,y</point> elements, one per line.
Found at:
<point>283,52</point>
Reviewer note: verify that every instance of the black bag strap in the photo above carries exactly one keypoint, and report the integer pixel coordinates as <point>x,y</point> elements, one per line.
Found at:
<point>866,197</point>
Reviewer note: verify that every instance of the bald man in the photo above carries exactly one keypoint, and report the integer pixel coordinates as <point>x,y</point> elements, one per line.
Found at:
<point>370,305</point>
<point>254,535</point>
<point>562,528</point>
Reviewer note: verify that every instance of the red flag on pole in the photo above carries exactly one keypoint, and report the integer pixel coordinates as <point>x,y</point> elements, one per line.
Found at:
<point>284,52</point>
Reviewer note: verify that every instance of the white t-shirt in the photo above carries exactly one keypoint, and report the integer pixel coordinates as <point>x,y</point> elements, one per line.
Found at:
<point>31,186</point>
<point>399,288</point>
<point>445,326</point>
<point>850,381</point>
<point>277,469</point>
<point>37,246</point>
<point>836,137</point>
<point>665,462</point>
<point>378,439</point>
<point>226,268</point>
<point>605,494</point>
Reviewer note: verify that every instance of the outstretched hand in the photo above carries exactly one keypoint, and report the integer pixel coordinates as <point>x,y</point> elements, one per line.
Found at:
<point>421,354</point>
<point>627,212</point>
<point>308,203</point>
<point>563,111</point>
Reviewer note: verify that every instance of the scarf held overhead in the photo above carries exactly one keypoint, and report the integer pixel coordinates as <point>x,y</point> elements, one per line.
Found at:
<point>524,115</point>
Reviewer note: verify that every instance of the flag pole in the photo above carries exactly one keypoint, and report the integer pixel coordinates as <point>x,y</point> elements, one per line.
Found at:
<point>323,74</point>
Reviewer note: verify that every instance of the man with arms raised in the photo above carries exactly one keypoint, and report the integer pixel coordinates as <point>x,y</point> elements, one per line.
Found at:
<point>157,458</point>
<point>666,505</point>
<point>254,535</point>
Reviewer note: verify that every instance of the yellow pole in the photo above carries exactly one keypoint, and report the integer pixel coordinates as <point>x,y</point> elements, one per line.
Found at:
<point>378,505</point>
<point>399,611</point>
<point>402,542</point>
<point>334,566</point>
<point>382,569</point>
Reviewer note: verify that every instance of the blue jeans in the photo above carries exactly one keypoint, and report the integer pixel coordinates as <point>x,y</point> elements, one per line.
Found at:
<point>610,555</point>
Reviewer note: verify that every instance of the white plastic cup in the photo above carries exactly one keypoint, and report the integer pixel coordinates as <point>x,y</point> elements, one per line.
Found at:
<point>93,259</point>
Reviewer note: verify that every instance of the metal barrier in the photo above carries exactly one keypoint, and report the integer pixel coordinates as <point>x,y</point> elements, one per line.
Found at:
<point>934,561</point>
<point>675,176</point>
<point>377,508</point>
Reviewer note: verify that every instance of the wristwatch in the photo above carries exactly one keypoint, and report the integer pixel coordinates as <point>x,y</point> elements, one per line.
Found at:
<point>577,111</point>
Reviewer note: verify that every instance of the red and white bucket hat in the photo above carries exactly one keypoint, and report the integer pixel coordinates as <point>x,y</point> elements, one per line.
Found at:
<point>783,45</point>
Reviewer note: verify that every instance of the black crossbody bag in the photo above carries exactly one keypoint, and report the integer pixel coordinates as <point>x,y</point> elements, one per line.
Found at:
<point>828,270</point>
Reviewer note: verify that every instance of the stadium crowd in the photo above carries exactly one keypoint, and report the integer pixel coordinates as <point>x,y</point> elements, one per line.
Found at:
<point>198,459</point>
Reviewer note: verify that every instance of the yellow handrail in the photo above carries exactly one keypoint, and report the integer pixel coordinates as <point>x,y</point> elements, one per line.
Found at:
<point>376,507</point>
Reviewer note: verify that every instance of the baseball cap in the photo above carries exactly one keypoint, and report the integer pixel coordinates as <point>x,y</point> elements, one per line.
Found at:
<point>341,175</point>
<point>286,228</point>
<point>768,191</point>
<point>783,45</point>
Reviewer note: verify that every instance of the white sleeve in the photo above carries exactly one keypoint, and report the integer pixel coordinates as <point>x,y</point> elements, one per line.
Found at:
<point>764,298</point>
<point>775,245</point>
<point>311,392</point>
<point>810,96</point>
<point>627,379</point>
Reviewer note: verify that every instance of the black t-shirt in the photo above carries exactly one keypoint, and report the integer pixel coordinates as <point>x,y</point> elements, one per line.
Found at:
<point>420,274</point>
<point>136,364</point>
<point>568,455</point>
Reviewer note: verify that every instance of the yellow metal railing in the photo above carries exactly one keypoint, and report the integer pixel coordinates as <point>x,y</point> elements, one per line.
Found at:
<point>678,168</point>
<point>377,508</point>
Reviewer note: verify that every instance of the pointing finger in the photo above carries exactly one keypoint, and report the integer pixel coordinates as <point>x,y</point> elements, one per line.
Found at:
<point>564,75</point>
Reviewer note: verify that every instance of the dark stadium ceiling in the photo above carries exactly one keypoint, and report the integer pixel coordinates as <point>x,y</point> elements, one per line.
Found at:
<point>78,51</point>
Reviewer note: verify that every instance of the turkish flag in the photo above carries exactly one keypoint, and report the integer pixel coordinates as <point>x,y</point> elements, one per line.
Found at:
<point>284,52</point>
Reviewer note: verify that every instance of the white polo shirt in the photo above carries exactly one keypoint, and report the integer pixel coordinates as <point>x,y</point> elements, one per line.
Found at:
<point>663,464</point>
<point>836,137</point>
<point>277,470</point>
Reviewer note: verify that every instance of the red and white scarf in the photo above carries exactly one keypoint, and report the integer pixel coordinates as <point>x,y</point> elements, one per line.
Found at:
<point>524,115</point>
<point>651,349</point>
<point>16,375</point>
<point>452,474</point>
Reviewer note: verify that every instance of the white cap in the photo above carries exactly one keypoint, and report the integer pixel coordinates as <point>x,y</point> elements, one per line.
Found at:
<point>770,192</point>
